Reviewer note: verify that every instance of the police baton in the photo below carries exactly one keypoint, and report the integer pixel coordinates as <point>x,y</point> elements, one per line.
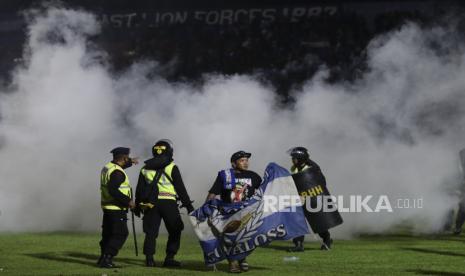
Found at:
<point>134,233</point>
<point>134,230</point>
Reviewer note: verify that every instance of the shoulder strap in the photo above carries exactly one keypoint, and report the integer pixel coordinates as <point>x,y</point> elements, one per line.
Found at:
<point>157,176</point>
<point>166,175</point>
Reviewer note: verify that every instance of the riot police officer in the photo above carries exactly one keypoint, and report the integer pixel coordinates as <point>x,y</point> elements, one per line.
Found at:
<point>311,183</point>
<point>159,187</point>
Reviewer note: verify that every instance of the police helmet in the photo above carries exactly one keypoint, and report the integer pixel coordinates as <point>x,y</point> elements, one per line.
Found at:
<point>299,153</point>
<point>163,147</point>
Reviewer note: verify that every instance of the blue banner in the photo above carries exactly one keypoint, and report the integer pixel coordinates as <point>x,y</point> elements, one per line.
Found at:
<point>232,231</point>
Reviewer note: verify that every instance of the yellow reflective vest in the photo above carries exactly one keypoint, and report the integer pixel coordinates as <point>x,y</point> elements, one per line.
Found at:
<point>165,186</point>
<point>107,201</point>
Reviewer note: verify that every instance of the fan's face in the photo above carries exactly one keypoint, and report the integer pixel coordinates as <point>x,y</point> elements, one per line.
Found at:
<point>241,164</point>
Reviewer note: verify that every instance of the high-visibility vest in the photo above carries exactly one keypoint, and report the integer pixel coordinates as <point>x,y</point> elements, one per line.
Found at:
<point>295,170</point>
<point>165,186</point>
<point>107,201</point>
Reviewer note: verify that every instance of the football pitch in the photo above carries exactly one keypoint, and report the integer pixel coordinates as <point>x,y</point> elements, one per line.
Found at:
<point>76,254</point>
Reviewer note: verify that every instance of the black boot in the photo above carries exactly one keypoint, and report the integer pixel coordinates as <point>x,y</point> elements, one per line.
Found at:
<point>326,244</point>
<point>107,261</point>
<point>149,261</point>
<point>299,247</point>
<point>171,262</point>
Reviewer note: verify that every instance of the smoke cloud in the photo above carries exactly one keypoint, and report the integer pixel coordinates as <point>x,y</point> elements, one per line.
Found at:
<point>395,131</point>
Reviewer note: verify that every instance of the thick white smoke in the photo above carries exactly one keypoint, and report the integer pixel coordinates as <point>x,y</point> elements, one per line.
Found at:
<point>396,131</point>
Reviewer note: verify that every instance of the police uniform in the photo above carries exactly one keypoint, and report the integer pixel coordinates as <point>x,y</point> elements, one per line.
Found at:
<point>314,169</point>
<point>159,186</point>
<point>311,184</point>
<point>115,192</point>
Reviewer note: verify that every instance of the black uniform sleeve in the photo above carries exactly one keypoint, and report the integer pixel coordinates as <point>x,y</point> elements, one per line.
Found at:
<point>217,186</point>
<point>116,179</point>
<point>179,187</point>
<point>139,188</point>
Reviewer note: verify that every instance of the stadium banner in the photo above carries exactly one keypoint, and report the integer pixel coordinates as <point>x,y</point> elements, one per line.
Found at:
<point>227,16</point>
<point>233,231</point>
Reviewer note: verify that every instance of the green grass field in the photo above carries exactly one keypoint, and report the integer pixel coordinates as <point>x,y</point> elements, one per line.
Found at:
<point>76,254</point>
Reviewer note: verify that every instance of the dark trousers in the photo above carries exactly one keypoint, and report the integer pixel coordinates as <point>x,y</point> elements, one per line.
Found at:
<point>167,210</point>
<point>114,231</point>
<point>326,236</point>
